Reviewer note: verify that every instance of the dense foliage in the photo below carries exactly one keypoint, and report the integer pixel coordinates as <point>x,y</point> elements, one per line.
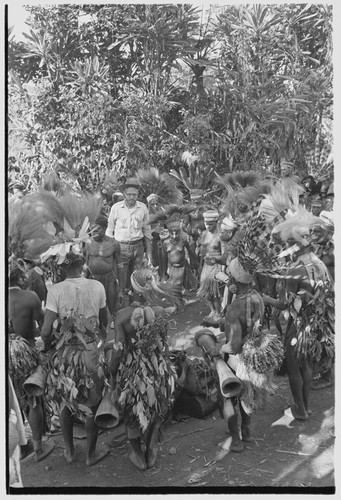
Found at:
<point>101,87</point>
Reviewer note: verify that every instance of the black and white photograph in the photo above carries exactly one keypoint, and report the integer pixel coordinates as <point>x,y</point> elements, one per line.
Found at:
<point>169,248</point>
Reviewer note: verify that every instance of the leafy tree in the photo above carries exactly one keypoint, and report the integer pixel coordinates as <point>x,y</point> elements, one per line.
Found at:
<point>97,87</point>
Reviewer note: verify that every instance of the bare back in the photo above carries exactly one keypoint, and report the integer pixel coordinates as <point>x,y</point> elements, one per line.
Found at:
<point>102,256</point>
<point>24,308</point>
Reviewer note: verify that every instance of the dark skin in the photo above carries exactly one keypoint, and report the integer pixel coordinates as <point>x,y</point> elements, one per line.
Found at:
<point>175,246</point>
<point>126,326</point>
<point>299,372</point>
<point>236,330</point>
<point>103,256</point>
<point>24,308</point>
<point>66,418</point>
<point>268,285</point>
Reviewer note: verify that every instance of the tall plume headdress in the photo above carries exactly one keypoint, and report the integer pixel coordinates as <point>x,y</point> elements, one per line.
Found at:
<point>27,234</point>
<point>163,185</point>
<point>240,188</point>
<point>172,214</point>
<point>64,224</point>
<point>259,251</point>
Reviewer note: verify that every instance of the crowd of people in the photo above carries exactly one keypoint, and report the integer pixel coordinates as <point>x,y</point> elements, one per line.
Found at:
<point>260,256</point>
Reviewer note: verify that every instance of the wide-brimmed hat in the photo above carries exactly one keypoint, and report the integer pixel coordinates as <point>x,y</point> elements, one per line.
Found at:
<point>131,183</point>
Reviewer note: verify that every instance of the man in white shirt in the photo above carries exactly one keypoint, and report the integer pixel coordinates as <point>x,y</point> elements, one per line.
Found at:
<point>128,224</point>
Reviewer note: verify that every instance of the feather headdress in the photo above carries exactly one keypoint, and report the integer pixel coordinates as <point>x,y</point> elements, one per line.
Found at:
<point>297,227</point>
<point>257,251</point>
<point>240,188</point>
<point>27,236</point>
<point>163,185</point>
<point>64,223</point>
<point>238,180</point>
<point>172,212</point>
<point>276,214</point>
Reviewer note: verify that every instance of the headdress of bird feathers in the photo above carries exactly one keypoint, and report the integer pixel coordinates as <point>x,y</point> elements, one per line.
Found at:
<point>240,188</point>
<point>170,213</point>
<point>163,185</point>
<point>64,224</point>
<point>276,213</point>
<point>27,236</point>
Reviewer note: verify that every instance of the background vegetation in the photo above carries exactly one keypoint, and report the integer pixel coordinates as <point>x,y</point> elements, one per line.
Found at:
<point>96,88</point>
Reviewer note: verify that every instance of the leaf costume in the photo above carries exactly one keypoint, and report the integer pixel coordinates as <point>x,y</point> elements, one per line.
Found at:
<point>145,381</point>
<point>23,360</point>
<point>312,313</point>
<point>75,376</point>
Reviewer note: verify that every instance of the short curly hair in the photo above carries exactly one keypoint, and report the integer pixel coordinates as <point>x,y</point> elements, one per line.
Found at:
<point>15,275</point>
<point>73,260</point>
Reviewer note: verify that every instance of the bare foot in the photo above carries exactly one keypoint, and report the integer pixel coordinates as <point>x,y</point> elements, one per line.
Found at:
<point>139,462</point>
<point>97,457</point>
<point>44,450</point>
<point>70,456</point>
<point>151,458</point>
<point>296,414</point>
<point>237,446</point>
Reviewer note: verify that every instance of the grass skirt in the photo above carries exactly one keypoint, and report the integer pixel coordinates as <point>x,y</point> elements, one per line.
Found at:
<point>209,286</point>
<point>261,356</point>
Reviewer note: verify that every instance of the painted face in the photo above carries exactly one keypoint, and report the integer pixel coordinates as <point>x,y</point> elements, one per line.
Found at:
<point>130,195</point>
<point>98,232</point>
<point>211,225</point>
<point>153,206</point>
<point>174,235</point>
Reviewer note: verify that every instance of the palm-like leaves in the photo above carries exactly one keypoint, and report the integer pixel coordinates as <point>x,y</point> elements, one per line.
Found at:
<point>194,175</point>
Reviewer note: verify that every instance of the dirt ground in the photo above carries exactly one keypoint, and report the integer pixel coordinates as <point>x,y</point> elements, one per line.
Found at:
<point>288,455</point>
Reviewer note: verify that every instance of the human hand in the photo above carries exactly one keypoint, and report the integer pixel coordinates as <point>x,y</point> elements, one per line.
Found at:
<point>210,261</point>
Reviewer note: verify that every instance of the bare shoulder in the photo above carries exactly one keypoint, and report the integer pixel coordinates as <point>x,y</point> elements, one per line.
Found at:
<point>115,245</point>
<point>29,297</point>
